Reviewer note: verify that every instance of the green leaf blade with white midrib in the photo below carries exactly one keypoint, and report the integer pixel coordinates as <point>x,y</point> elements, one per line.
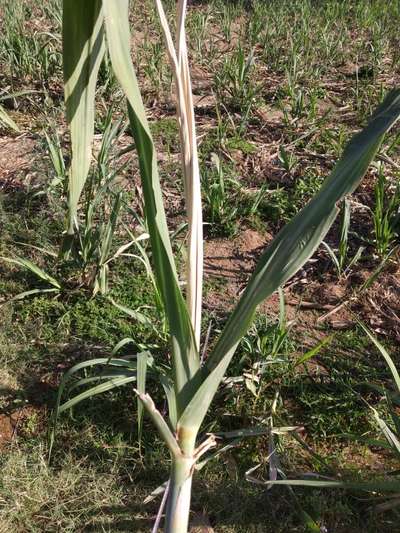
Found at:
<point>303,233</point>
<point>288,252</point>
<point>185,356</point>
<point>111,384</point>
<point>83,50</point>
<point>126,369</point>
<point>27,264</point>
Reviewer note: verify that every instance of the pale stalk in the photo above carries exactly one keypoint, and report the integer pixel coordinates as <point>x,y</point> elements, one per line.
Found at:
<point>179,496</point>
<point>180,483</point>
<point>183,459</point>
<point>190,164</point>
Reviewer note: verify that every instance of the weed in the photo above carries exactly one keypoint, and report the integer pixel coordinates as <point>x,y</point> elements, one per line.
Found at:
<point>386,212</point>
<point>340,257</point>
<point>27,53</point>
<point>235,81</point>
<point>288,159</point>
<point>218,190</point>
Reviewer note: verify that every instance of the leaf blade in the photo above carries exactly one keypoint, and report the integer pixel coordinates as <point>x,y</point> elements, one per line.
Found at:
<point>185,355</point>
<point>83,50</point>
<point>290,249</point>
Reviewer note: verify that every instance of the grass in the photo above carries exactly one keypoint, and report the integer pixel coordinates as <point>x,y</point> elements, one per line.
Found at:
<point>276,124</point>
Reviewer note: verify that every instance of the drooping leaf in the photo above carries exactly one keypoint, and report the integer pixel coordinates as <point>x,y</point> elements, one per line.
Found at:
<point>121,344</point>
<point>125,369</point>
<point>112,383</point>
<point>83,50</point>
<point>39,272</point>
<point>136,315</point>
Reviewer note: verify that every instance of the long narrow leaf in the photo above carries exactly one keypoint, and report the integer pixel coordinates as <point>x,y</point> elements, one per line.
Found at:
<point>290,249</point>
<point>313,352</point>
<point>385,355</point>
<point>190,165</point>
<point>143,360</point>
<point>101,377</point>
<point>136,315</point>
<point>99,389</point>
<point>101,361</point>
<point>110,229</point>
<point>31,292</point>
<point>185,355</point>
<point>83,50</point>
<point>388,433</point>
<point>7,120</point>
<point>40,273</point>
<point>374,486</point>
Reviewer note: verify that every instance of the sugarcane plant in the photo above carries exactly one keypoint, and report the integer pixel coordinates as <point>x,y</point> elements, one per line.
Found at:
<point>190,382</point>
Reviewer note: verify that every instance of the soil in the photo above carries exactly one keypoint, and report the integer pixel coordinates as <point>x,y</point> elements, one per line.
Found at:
<point>11,425</point>
<point>7,425</point>
<point>16,157</point>
<point>231,262</point>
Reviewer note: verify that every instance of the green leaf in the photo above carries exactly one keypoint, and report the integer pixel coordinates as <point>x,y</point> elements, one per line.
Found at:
<point>242,433</point>
<point>7,120</point>
<point>101,377</point>
<point>110,229</point>
<point>372,486</point>
<point>333,256</point>
<point>344,234</point>
<point>106,362</point>
<point>121,344</point>
<point>143,360</point>
<point>184,353</point>
<point>388,433</point>
<point>113,383</point>
<point>136,315</point>
<point>56,155</point>
<point>168,387</point>
<point>385,355</point>
<point>31,292</point>
<point>25,263</point>
<point>313,352</point>
<point>46,251</point>
<point>290,249</point>
<point>83,50</point>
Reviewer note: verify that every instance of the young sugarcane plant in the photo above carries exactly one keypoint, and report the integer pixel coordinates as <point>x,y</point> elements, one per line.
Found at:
<point>190,385</point>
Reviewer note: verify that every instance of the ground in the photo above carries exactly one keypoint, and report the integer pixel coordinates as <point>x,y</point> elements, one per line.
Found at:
<point>279,88</point>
